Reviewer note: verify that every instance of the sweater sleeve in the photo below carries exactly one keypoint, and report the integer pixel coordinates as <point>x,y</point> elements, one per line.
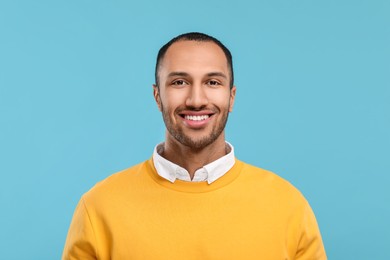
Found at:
<point>80,242</point>
<point>310,244</point>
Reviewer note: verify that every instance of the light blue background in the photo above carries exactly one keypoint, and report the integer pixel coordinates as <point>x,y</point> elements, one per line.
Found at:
<point>313,105</point>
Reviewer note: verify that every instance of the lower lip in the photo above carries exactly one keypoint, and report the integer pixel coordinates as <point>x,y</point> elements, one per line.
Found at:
<point>196,124</point>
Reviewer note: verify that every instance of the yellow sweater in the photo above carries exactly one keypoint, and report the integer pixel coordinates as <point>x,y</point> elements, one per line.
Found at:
<point>249,213</point>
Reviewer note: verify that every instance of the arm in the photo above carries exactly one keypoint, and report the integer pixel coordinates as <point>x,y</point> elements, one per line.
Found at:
<point>310,244</point>
<point>80,242</point>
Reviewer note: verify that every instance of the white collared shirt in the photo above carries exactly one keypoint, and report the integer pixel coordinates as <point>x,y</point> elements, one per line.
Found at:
<point>210,172</point>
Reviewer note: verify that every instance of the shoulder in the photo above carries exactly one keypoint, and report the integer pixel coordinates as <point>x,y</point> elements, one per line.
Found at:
<point>117,183</point>
<point>269,183</point>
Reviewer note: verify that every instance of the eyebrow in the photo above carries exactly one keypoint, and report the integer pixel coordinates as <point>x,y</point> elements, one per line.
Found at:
<point>217,74</point>
<point>178,73</point>
<point>185,74</point>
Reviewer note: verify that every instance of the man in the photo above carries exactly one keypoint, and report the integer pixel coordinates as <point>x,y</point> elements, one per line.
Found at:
<point>193,199</point>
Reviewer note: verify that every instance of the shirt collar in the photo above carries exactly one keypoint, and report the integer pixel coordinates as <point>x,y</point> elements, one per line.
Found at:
<point>210,172</point>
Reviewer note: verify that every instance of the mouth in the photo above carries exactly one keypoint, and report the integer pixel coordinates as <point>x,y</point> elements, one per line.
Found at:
<point>196,119</point>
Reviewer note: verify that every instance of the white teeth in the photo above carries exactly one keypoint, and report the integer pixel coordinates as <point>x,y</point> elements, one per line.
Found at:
<point>196,118</point>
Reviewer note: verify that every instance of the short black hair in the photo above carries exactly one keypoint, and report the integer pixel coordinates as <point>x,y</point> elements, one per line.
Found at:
<point>199,37</point>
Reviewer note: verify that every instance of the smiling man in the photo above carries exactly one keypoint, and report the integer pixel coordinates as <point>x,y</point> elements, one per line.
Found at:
<point>193,199</point>
<point>195,94</point>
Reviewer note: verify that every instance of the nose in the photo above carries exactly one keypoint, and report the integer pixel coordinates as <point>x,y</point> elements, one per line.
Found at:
<point>197,97</point>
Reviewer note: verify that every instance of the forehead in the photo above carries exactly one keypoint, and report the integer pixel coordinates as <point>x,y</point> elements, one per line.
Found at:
<point>194,55</point>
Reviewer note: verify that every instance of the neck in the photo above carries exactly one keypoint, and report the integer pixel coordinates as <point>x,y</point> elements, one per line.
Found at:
<point>192,159</point>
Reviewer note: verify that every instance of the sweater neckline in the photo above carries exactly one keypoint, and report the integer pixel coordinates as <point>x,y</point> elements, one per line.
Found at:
<point>195,187</point>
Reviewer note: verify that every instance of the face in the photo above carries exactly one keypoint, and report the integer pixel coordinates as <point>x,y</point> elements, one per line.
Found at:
<point>194,95</point>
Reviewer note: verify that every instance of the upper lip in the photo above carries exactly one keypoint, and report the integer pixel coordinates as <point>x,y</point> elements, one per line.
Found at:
<point>196,113</point>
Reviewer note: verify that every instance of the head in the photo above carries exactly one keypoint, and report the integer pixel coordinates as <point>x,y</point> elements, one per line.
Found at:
<point>197,37</point>
<point>194,90</point>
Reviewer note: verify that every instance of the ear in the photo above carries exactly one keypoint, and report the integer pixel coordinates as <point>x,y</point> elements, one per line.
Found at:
<point>156,94</point>
<point>232,98</point>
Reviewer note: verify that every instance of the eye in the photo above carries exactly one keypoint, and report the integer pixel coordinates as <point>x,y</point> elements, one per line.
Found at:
<point>179,82</point>
<point>213,83</point>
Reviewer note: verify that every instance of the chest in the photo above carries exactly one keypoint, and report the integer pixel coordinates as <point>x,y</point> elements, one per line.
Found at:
<point>223,226</point>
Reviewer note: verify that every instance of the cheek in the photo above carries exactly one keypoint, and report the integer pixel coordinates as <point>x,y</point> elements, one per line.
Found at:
<point>221,100</point>
<point>169,105</point>
<point>172,99</point>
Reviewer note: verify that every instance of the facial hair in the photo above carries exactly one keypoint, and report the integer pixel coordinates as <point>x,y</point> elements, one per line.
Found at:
<point>178,134</point>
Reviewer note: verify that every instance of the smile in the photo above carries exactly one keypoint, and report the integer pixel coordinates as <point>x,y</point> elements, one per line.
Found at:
<point>196,118</point>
